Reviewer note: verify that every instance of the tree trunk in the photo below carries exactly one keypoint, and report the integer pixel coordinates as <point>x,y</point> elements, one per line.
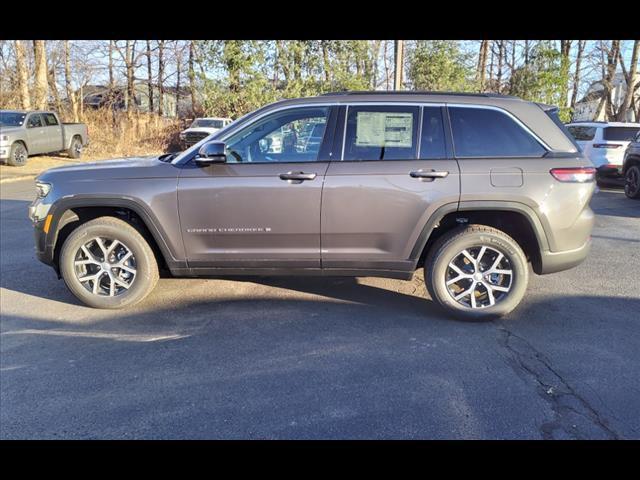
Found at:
<point>612,60</point>
<point>631,83</point>
<point>161,77</point>
<point>526,53</point>
<point>71,96</point>
<point>192,77</point>
<point>565,65</point>
<point>178,72</point>
<point>481,72</point>
<point>149,77</point>
<point>325,62</point>
<point>386,64</point>
<point>576,75</point>
<point>129,57</point>
<point>23,82</point>
<point>41,90</point>
<point>501,52</point>
<point>53,87</point>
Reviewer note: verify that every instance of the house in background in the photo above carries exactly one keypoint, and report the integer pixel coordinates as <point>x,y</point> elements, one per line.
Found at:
<point>585,109</point>
<point>98,96</point>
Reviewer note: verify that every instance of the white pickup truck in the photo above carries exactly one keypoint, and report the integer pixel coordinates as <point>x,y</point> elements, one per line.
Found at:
<point>25,133</point>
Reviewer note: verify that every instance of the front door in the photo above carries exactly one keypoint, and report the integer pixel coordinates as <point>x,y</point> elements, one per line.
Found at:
<point>260,209</point>
<point>36,134</point>
<point>396,170</point>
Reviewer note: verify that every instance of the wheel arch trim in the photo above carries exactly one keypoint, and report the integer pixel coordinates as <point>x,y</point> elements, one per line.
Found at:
<point>61,217</point>
<point>483,205</point>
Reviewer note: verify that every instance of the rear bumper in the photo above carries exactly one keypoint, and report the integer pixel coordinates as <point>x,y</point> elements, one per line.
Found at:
<point>551,262</point>
<point>609,171</point>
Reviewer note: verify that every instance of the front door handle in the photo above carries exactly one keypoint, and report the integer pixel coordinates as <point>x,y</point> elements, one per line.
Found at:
<point>297,177</point>
<point>428,176</point>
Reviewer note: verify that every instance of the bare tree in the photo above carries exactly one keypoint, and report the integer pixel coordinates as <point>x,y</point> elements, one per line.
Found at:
<point>41,87</point>
<point>71,96</point>
<point>23,82</point>
<point>161,77</point>
<point>192,75</point>
<point>609,69</point>
<point>482,64</point>
<point>576,75</point>
<point>149,77</point>
<point>631,79</point>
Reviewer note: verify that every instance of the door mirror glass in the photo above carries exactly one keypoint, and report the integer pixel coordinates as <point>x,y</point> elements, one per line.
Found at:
<point>211,152</point>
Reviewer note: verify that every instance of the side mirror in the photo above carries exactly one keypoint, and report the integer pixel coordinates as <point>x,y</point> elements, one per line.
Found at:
<point>211,152</point>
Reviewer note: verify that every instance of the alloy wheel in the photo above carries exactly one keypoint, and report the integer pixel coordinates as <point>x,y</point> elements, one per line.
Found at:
<point>105,266</point>
<point>479,277</point>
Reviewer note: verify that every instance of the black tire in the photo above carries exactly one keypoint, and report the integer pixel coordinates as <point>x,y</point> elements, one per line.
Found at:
<point>75,149</point>
<point>632,182</point>
<point>146,275</point>
<point>471,238</point>
<point>18,155</point>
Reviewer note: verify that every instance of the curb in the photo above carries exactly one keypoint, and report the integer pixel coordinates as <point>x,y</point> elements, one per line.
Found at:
<point>17,178</point>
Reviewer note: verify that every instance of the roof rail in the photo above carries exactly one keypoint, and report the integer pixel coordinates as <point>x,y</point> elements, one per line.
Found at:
<point>417,92</point>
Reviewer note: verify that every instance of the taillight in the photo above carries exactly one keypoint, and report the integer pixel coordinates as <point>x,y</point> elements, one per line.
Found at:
<point>606,145</point>
<point>576,175</point>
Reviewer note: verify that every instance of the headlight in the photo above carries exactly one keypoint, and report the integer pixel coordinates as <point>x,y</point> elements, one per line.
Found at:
<point>42,189</point>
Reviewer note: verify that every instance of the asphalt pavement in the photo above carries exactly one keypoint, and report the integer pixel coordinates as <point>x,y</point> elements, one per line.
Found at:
<point>290,358</point>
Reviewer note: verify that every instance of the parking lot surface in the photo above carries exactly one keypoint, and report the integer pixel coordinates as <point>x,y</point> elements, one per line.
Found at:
<point>292,358</point>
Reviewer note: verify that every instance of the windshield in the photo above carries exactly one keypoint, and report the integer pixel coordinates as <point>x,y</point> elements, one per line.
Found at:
<point>620,134</point>
<point>12,119</point>
<point>207,123</point>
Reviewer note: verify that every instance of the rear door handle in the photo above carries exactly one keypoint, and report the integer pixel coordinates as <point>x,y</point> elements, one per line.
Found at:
<point>297,177</point>
<point>430,175</point>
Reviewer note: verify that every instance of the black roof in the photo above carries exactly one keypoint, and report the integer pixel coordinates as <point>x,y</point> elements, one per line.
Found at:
<point>417,92</point>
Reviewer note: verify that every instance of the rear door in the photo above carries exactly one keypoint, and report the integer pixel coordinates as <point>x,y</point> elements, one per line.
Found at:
<point>394,171</point>
<point>36,134</point>
<point>54,133</point>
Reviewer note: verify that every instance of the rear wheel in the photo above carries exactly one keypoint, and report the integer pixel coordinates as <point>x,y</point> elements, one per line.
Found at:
<point>106,263</point>
<point>75,149</point>
<point>18,155</point>
<point>476,272</point>
<point>632,182</point>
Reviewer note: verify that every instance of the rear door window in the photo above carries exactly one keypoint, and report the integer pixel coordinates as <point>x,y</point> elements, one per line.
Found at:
<point>619,134</point>
<point>50,119</point>
<point>381,132</point>
<point>482,132</point>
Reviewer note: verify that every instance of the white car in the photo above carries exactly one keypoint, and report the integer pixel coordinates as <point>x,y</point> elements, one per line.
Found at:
<point>201,128</point>
<point>604,143</point>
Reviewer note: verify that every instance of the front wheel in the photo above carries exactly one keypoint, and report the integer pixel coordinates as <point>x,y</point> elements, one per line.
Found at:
<point>476,272</point>
<point>18,155</point>
<point>107,263</point>
<point>632,182</point>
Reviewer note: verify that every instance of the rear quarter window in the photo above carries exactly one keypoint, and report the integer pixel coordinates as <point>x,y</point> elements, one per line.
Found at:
<point>482,132</point>
<point>583,134</point>
<point>620,134</point>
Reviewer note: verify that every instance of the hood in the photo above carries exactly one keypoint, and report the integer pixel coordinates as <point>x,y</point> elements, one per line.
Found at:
<point>122,168</point>
<point>9,130</point>
<point>207,130</point>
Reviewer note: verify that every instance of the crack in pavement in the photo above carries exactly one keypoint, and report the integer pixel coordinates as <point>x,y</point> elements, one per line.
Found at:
<point>574,416</point>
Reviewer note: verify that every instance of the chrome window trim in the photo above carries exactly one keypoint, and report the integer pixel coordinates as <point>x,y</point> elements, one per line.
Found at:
<point>224,134</point>
<point>509,114</point>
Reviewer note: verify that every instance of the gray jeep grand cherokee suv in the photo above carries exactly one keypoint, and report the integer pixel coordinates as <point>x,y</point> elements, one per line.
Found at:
<point>473,187</point>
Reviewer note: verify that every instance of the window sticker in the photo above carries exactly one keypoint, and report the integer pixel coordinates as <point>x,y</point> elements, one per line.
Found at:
<point>384,129</point>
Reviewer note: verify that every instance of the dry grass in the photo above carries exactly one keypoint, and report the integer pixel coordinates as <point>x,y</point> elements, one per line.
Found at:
<point>122,135</point>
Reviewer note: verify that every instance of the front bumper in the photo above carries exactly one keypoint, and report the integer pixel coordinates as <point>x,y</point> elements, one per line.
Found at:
<point>5,150</point>
<point>552,262</point>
